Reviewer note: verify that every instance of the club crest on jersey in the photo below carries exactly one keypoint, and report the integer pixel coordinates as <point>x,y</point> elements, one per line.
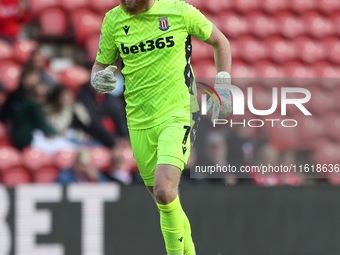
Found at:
<point>164,24</point>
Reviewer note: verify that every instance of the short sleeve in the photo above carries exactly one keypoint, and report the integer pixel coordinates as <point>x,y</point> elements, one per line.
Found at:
<point>197,24</point>
<point>107,50</point>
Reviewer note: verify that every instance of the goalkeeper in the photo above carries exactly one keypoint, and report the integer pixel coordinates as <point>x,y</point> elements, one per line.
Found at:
<point>153,38</point>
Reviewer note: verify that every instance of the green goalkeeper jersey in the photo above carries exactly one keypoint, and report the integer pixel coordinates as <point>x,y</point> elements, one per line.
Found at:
<point>155,47</point>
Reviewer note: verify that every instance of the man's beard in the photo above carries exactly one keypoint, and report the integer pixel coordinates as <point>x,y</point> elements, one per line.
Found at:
<point>134,8</point>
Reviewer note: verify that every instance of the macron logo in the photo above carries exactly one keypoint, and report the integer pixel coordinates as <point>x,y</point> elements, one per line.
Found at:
<point>126,29</point>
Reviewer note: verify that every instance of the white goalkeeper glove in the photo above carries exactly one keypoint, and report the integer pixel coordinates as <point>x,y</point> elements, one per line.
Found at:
<point>104,81</point>
<point>221,111</point>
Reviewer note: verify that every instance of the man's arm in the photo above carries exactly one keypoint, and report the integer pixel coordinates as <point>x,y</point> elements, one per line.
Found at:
<point>222,51</point>
<point>97,66</point>
<point>222,54</point>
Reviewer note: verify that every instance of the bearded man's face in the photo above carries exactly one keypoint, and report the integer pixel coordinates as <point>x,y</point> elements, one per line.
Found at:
<point>134,7</point>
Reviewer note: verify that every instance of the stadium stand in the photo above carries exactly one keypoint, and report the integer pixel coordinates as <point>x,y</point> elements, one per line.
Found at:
<point>45,175</point>
<point>9,157</point>
<point>269,39</point>
<point>64,159</point>
<point>10,74</point>
<point>53,22</point>
<point>15,176</point>
<point>22,50</point>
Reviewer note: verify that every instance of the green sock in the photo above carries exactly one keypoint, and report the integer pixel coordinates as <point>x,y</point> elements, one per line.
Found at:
<point>189,247</point>
<point>172,226</point>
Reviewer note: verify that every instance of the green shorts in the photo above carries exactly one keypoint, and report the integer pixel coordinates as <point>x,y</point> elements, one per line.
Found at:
<point>167,143</point>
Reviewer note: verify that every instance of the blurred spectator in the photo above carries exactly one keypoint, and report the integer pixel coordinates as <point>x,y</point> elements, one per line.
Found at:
<point>242,147</point>
<point>12,14</point>
<point>100,106</point>
<point>38,62</point>
<point>118,171</point>
<point>267,156</point>
<point>288,158</point>
<point>30,117</point>
<point>58,110</point>
<point>62,111</point>
<point>217,150</point>
<point>82,171</point>
<point>28,79</point>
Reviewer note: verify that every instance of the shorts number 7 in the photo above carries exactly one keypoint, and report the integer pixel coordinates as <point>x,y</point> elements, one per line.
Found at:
<point>186,135</point>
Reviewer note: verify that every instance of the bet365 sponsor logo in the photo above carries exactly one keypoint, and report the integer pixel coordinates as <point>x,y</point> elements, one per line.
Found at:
<point>149,45</point>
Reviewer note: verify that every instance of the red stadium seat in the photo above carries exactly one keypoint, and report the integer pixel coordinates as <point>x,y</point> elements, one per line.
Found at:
<point>38,6</point>
<point>6,51</point>
<point>16,176</point>
<point>216,6</point>
<point>9,157</point>
<point>332,46</point>
<point>283,138</point>
<point>321,101</point>
<point>253,50</point>
<point>328,6</point>
<point>201,50</point>
<point>45,175</point>
<point>274,6</point>
<point>311,128</point>
<point>332,123</point>
<point>266,69</point>
<point>280,50</point>
<point>205,69</point>
<point>22,50</point>
<point>64,159</point>
<point>246,6</point>
<point>289,25</point>
<point>326,70</point>
<point>35,159</point>
<point>333,178</point>
<point>302,6</point>
<point>74,4</point>
<point>331,72</point>
<point>336,95</point>
<point>129,161</point>
<point>232,24</point>
<point>317,26</point>
<point>102,6</point>
<point>10,75</point>
<point>261,25</point>
<point>327,153</point>
<point>75,76</point>
<point>308,50</point>
<point>85,23</point>
<point>295,69</point>
<point>53,22</point>
<point>100,158</point>
<point>92,43</point>
<point>262,98</point>
<point>335,19</point>
<point>242,70</point>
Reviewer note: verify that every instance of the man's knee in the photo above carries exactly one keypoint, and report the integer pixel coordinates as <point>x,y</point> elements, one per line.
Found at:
<point>166,183</point>
<point>164,194</point>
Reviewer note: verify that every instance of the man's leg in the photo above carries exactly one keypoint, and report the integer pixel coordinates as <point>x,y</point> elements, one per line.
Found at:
<point>189,247</point>
<point>174,222</point>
